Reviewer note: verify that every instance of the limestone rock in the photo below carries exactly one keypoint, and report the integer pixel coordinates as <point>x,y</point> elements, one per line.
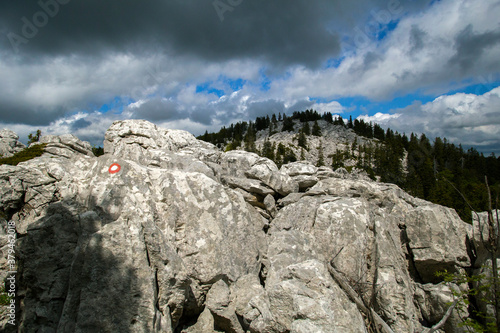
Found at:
<point>289,199</point>
<point>66,145</point>
<point>266,171</point>
<point>9,143</point>
<point>299,169</point>
<point>479,232</point>
<point>236,162</point>
<point>483,264</point>
<point>434,245</point>
<point>186,238</point>
<point>204,324</point>
<point>270,204</point>
<point>305,182</point>
<point>223,312</point>
<point>324,173</point>
<point>250,185</point>
<point>130,138</point>
<point>434,300</point>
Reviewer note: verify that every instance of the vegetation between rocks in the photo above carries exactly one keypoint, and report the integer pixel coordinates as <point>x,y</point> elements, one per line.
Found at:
<point>24,155</point>
<point>428,170</point>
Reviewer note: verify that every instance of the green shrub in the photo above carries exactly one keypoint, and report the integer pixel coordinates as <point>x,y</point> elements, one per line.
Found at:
<point>98,151</point>
<point>4,298</point>
<point>24,155</point>
<point>472,319</point>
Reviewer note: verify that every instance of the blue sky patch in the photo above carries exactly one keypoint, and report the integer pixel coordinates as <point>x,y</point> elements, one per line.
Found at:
<point>117,105</point>
<point>208,89</point>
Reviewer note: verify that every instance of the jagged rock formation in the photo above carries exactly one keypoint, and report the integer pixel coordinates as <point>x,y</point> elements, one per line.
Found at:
<point>9,143</point>
<point>185,238</point>
<point>334,138</point>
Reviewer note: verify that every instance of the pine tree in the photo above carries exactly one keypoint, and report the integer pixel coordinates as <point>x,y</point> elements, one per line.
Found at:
<point>316,130</point>
<point>354,146</point>
<point>328,117</point>
<point>267,150</point>
<point>378,132</point>
<point>321,158</point>
<point>288,125</point>
<point>338,160</point>
<point>272,130</point>
<point>34,137</point>
<point>302,140</point>
<point>306,129</point>
<point>289,156</point>
<point>250,139</point>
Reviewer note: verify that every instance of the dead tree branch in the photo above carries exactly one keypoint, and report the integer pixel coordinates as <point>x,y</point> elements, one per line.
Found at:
<point>369,312</point>
<point>444,319</point>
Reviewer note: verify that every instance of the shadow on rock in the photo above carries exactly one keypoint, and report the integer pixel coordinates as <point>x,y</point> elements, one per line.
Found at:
<point>76,274</point>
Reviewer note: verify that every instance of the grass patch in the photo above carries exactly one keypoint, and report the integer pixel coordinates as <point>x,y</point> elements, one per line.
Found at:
<point>4,298</point>
<point>24,155</point>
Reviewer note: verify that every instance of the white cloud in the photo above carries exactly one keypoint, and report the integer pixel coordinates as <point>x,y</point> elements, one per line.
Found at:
<point>469,119</point>
<point>431,51</point>
<point>380,118</point>
<point>332,107</point>
<point>417,55</point>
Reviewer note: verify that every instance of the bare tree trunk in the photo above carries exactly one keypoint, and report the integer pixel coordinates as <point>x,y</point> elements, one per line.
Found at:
<point>369,312</point>
<point>444,319</point>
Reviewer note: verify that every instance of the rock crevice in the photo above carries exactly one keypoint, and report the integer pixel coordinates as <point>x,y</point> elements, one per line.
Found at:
<point>185,238</point>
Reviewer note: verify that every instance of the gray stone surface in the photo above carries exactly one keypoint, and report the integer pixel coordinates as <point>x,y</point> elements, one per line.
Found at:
<point>479,232</point>
<point>9,143</point>
<point>185,238</point>
<point>66,146</point>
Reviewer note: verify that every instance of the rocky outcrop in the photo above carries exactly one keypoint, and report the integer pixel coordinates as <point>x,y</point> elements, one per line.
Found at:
<point>333,139</point>
<point>66,146</point>
<point>479,233</point>
<point>185,238</point>
<point>9,143</point>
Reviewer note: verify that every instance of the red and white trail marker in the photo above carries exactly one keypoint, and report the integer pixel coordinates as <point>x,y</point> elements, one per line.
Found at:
<point>114,168</point>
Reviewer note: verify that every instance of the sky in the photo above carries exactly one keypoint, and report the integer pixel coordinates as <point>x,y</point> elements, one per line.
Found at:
<point>75,66</point>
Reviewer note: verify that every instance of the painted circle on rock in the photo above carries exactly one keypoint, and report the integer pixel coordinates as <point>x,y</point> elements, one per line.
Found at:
<point>114,168</point>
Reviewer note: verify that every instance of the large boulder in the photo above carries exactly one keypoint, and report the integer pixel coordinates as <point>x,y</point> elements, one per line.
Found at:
<point>483,264</point>
<point>185,238</point>
<point>9,143</point>
<point>375,235</point>
<point>66,146</point>
<point>131,138</point>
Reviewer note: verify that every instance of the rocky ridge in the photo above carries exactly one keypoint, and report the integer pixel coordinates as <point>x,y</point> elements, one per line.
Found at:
<point>186,238</point>
<point>334,138</point>
<point>9,143</point>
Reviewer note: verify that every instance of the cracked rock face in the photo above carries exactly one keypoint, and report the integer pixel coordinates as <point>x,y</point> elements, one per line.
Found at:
<point>9,143</point>
<point>185,238</point>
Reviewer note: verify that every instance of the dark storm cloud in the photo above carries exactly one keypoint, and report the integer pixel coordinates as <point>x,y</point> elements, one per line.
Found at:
<point>79,124</point>
<point>370,61</point>
<point>416,39</point>
<point>263,108</point>
<point>470,46</point>
<point>281,32</point>
<point>11,112</point>
<point>157,110</point>
<point>300,106</point>
<point>203,116</point>
<point>276,31</point>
